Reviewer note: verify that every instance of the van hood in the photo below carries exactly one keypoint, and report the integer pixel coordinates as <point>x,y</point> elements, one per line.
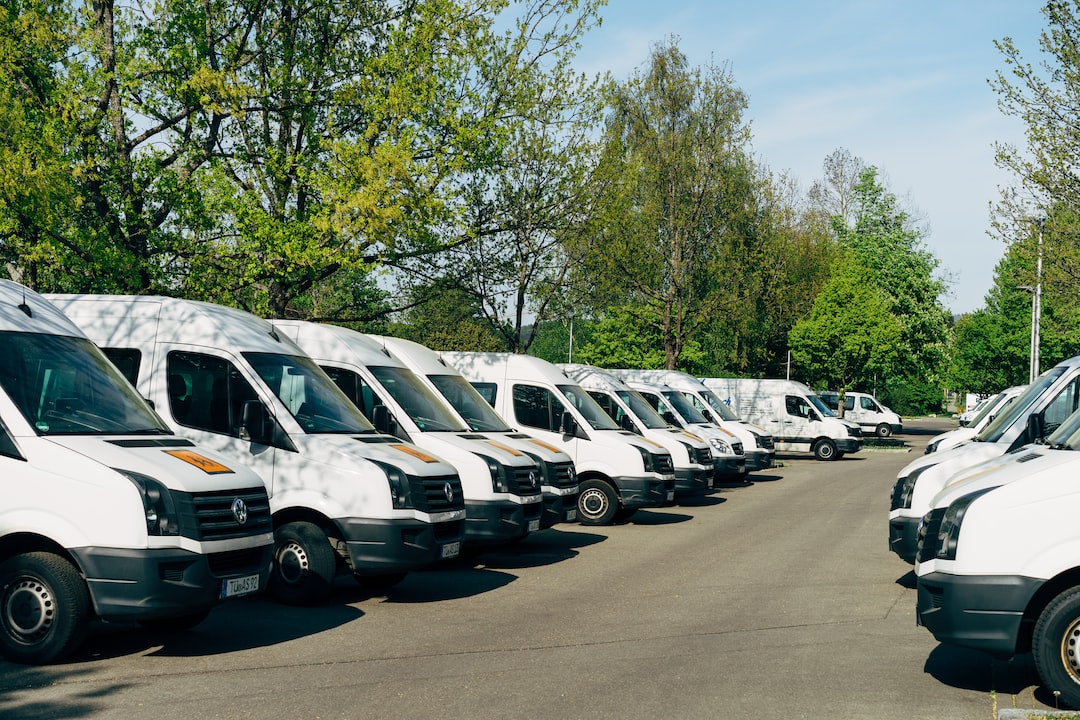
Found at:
<point>350,449</point>
<point>527,443</point>
<point>478,444</point>
<point>176,462</point>
<point>1028,463</point>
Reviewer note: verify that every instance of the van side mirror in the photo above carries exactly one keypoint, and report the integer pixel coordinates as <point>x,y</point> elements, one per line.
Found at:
<point>627,423</point>
<point>709,416</point>
<point>1035,427</point>
<point>567,424</point>
<point>255,423</point>
<point>381,419</point>
<point>813,416</point>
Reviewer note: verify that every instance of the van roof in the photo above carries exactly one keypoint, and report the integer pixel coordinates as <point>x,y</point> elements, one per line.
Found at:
<point>419,358</point>
<point>591,376</point>
<point>324,341</point>
<point>23,310</point>
<point>507,365</point>
<point>176,320</point>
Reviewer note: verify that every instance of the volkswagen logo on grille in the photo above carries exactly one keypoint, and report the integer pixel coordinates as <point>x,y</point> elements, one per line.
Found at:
<point>532,478</point>
<point>449,490</point>
<point>239,511</point>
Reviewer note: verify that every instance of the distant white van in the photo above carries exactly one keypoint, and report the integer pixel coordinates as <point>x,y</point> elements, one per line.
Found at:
<point>105,513</point>
<point>691,454</point>
<point>866,410</point>
<point>502,486</point>
<point>797,418</point>
<point>558,478</point>
<point>957,436</point>
<point>345,499</point>
<point>618,471</point>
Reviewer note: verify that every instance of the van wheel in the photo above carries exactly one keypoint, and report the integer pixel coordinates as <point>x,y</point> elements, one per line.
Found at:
<point>597,503</point>
<point>1056,646</point>
<point>304,564</point>
<point>825,450</point>
<point>44,608</point>
<point>883,431</point>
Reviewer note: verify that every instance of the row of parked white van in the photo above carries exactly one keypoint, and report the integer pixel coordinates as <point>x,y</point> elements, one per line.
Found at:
<point>987,516</point>
<point>244,454</point>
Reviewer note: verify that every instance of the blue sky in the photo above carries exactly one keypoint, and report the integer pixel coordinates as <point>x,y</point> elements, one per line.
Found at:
<point>902,85</point>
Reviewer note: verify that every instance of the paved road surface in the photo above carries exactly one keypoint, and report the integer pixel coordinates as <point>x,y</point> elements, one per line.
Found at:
<point>772,599</point>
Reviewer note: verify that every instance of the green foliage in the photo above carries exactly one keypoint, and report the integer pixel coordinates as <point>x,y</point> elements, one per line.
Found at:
<point>850,338</point>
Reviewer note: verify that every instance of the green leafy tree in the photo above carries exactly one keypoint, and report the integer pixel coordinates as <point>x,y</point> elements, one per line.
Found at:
<point>851,336</point>
<point>676,194</point>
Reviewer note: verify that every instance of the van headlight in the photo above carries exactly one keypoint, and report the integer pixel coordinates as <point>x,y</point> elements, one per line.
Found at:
<point>949,532</point>
<point>400,494</point>
<point>931,447</point>
<point>158,506</point>
<point>498,475</point>
<point>646,459</point>
<point>905,488</point>
<point>720,447</point>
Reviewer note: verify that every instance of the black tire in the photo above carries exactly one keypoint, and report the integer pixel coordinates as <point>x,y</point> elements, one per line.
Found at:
<point>44,608</point>
<point>304,564</point>
<point>825,449</point>
<point>178,624</point>
<point>883,430</point>
<point>598,503</point>
<point>1056,647</point>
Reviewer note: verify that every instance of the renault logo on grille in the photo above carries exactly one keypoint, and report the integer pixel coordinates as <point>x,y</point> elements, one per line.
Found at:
<point>239,511</point>
<point>449,490</point>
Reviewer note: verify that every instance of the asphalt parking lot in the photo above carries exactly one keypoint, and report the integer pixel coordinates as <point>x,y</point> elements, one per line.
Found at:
<point>774,598</point>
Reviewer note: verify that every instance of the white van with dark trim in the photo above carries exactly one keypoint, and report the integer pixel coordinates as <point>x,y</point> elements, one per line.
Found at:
<point>1035,413</point>
<point>105,513</point>
<point>502,486</point>
<point>998,563</point>
<point>344,498</point>
<point>558,479</point>
<point>750,440</point>
<point>793,413</point>
<point>691,454</point>
<point>618,471</point>
<point>866,410</point>
<point>958,436</point>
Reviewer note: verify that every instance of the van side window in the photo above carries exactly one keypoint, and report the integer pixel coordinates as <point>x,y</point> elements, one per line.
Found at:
<point>797,406</point>
<point>849,402</point>
<point>1060,407</point>
<point>488,391</point>
<point>537,407</point>
<point>354,387</point>
<point>207,392</point>
<point>868,404</point>
<point>126,360</point>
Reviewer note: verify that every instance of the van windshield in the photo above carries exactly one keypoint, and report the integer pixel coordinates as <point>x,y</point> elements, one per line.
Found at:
<point>309,394</point>
<point>686,409</point>
<point>468,402</point>
<point>642,410</point>
<point>720,407</point>
<point>1020,407</point>
<point>65,386</point>
<point>589,408</point>
<point>986,410</point>
<point>822,407</point>
<point>417,400</point>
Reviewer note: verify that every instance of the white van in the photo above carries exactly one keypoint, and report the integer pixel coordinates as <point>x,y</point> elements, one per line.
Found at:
<point>105,513</point>
<point>679,410</point>
<point>797,418</point>
<point>344,498</point>
<point>1036,412</point>
<point>691,454</point>
<point>866,410</point>
<point>957,436</point>
<point>999,559</point>
<point>756,443</point>
<point>618,471</point>
<point>558,479</point>
<point>503,502</point>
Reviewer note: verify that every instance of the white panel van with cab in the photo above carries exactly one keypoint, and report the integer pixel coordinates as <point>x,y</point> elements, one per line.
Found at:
<point>503,501</point>
<point>345,499</point>
<point>866,410</point>
<point>985,416</point>
<point>558,479</point>
<point>618,471</point>
<point>793,413</point>
<point>105,513</point>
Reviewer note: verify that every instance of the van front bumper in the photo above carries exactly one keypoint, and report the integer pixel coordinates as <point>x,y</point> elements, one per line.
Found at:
<point>379,546</point>
<point>760,460</point>
<point>159,583</point>
<point>728,466</point>
<point>904,537</point>
<point>559,509</point>
<point>849,445</point>
<point>692,481</point>
<point>643,492</point>
<point>494,522</point>
<point>983,612</point>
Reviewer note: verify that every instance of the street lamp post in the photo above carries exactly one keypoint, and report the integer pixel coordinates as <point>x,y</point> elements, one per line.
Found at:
<point>1036,308</point>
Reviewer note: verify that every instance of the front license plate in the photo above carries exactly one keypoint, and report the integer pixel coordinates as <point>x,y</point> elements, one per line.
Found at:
<point>671,495</point>
<point>236,587</point>
<point>534,525</point>
<point>451,550</point>
<point>571,515</point>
